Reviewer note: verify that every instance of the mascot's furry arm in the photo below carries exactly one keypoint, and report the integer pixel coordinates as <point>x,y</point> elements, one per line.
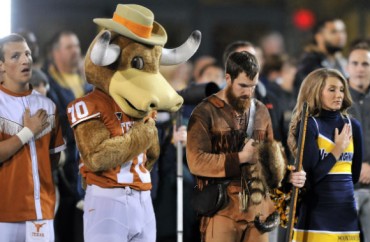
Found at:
<point>101,152</point>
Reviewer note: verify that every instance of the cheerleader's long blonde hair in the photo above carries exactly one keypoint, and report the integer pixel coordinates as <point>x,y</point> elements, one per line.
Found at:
<point>310,91</point>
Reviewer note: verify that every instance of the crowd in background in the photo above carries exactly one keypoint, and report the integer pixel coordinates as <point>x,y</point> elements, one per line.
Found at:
<point>60,76</point>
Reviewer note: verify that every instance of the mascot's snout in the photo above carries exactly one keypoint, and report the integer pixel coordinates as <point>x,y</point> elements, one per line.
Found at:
<point>154,91</point>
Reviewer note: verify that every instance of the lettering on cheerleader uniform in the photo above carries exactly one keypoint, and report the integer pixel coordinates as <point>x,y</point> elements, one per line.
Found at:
<point>323,153</point>
<point>346,156</point>
<point>348,238</point>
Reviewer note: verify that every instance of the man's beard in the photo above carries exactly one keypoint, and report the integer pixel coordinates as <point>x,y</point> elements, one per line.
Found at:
<point>332,49</point>
<point>240,104</point>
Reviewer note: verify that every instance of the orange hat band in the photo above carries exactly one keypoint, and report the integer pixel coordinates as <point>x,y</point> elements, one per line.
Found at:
<point>140,30</point>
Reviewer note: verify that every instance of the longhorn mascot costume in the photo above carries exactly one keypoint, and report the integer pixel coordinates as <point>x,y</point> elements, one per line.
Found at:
<point>117,140</point>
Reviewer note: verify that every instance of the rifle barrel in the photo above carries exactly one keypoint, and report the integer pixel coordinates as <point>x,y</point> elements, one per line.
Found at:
<point>294,195</point>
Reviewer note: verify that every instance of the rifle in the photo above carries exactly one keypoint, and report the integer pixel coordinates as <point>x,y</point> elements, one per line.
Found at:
<point>294,195</point>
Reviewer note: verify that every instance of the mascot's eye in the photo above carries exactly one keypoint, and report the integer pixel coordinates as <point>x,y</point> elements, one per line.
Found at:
<point>137,63</point>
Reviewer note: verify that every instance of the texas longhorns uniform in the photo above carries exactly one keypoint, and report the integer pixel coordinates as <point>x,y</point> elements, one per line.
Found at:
<point>110,192</point>
<point>98,105</point>
<point>27,187</point>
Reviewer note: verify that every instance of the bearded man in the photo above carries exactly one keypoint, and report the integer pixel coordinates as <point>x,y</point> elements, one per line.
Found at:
<point>225,135</point>
<point>329,39</point>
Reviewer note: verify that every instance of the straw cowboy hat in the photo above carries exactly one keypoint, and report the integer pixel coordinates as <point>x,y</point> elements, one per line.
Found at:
<point>135,22</point>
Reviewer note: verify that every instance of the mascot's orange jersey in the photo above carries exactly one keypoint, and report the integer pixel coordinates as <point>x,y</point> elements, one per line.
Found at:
<point>98,105</point>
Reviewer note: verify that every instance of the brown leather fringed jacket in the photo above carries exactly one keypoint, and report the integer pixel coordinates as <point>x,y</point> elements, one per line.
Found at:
<point>212,152</point>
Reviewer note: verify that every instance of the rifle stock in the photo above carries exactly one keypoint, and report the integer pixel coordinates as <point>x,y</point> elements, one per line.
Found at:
<point>294,195</point>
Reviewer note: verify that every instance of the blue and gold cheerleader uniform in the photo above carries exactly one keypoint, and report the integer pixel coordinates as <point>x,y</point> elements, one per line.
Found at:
<point>327,212</point>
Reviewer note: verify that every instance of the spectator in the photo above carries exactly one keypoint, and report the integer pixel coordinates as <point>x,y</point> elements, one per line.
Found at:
<point>165,204</point>
<point>66,84</point>
<point>199,63</point>
<point>329,39</point>
<point>212,72</point>
<point>280,72</point>
<point>359,85</point>
<point>39,81</point>
<point>272,43</point>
